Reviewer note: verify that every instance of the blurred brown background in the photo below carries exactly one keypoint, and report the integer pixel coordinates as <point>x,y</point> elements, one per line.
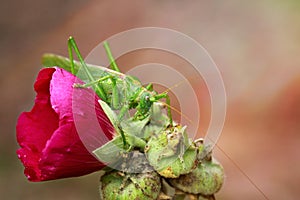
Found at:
<point>256,45</point>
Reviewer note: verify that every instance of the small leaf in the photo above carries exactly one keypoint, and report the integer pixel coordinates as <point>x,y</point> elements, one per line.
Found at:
<point>134,127</point>
<point>53,60</point>
<point>157,115</point>
<point>111,152</point>
<point>111,115</point>
<point>159,121</point>
<point>135,141</point>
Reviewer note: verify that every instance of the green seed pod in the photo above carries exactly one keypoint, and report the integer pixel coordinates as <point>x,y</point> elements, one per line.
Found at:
<point>171,153</point>
<point>206,179</point>
<point>122,186</point>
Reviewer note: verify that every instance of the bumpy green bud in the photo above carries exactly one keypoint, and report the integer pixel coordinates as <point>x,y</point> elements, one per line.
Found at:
<point>171,153</point>
<point>206,179</point>
<point>122,186</point>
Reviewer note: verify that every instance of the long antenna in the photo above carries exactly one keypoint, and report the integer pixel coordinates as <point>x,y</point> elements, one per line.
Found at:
<point>240,169</point>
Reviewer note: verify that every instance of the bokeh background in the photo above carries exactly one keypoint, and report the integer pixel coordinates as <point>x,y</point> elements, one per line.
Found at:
<point>256,45</point>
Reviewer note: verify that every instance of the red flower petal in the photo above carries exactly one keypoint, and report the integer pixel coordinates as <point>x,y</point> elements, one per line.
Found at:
<point>81,105</point>
<point>50,145</point>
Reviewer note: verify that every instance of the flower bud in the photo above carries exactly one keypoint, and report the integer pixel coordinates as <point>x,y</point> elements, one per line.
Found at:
<point>206,179</point>
<point>124,186</point>
<point>171,153</point>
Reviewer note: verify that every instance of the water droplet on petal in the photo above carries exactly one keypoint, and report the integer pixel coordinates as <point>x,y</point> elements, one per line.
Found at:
<point>51,169</point>
<point>79,113</point>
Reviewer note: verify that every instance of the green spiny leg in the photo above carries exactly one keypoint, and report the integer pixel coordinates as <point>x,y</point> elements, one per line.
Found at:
<point>113,64</point>
<point>86,85</point>
<point>115,93</point>
<point>71,56</point>
<point>99,90</point>
<point>124,109</point>
<point>169,109</point>
<point>110,57</point>
<point>149,87</point>
<point>72,45</point>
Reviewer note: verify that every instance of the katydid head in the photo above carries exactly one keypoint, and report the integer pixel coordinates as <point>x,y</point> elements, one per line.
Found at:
<point>144,101</point>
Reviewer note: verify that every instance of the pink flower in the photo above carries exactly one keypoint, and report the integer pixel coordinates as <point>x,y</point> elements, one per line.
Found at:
<point>50,145</point>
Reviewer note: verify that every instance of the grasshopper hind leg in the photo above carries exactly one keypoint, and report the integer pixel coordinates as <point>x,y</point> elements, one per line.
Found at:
<point>73,46</point>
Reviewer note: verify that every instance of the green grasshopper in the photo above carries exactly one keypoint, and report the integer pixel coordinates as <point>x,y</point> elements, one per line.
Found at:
<point>121,92</point>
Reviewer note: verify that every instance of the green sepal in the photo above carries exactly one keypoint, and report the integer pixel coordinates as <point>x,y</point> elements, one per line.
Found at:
<point>111,152</point>
<point>155,123</point>
<point>53,60</point>
<point>158,121</point>
<point>157,116</point>
<point>169,154</point>
<point>134,127</point>
<point>135,141</point>
<point>113,118</point>
<point>151,130</point>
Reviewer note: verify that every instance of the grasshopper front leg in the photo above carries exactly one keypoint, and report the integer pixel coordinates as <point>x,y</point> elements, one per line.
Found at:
<point>168,103</point>
<point>157,97</point>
